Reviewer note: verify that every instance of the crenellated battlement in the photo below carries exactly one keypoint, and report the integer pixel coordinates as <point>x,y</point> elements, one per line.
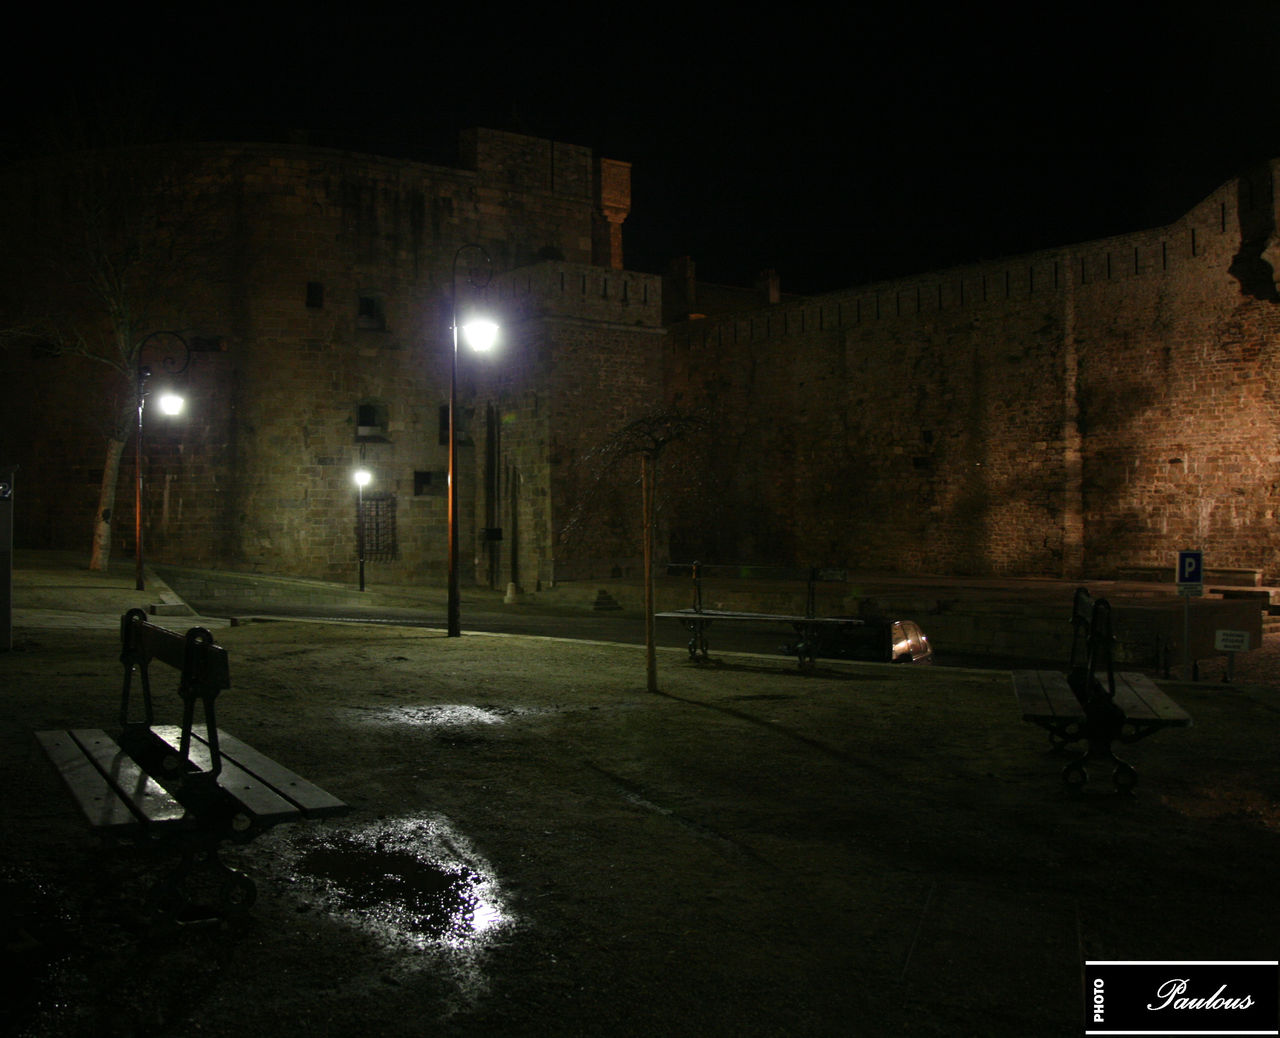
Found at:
<point>1069,411</point>
<point>580,291</point>
<point>1210,235</point>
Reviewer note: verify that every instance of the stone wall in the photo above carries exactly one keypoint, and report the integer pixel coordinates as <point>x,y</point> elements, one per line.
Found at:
<point>1070,412</point>
<point>585,360</point>
<point>1063,413</point>
<point>332,311</point>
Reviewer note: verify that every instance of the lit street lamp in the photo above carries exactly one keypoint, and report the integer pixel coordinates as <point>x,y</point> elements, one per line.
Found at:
<point>171,403</point>
<point>480,334</point>
<point>361,478</point>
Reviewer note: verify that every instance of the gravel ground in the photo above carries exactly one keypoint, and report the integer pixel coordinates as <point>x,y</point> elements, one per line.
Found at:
<point>537,846</point>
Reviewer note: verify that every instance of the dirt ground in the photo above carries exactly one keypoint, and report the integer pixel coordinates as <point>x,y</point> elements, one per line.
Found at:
<point>537,846</point>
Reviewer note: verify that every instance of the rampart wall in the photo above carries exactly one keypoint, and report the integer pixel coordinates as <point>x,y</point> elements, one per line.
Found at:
<point>1069,412</point>
<point>1066,412</point>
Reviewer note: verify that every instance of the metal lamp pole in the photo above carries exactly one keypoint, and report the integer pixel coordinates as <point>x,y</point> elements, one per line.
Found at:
<point>143,374</point>
<point>455,607</point>
<point>174,366</point>
<point>455,610</point>
<point>361,478</point>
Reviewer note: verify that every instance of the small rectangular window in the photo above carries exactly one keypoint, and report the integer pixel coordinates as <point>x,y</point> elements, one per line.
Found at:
<point>428,484</point>
<point>370,314</point>
<point>371,421</point>
<point>315,295</point>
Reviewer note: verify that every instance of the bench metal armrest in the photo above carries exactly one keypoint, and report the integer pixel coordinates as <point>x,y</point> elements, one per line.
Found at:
<point>200,661</point>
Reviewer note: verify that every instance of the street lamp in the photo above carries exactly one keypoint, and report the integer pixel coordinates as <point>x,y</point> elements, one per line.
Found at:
<point>361,478</point>
<point>480,334</point>
<point>171,403</point>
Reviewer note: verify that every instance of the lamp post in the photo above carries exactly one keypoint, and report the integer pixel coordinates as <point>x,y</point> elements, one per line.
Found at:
<point>171,403</point>
<point>361,478</point>
<point>480,334</point>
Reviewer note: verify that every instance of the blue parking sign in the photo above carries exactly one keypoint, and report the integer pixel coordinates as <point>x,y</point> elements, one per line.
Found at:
<point>1190,567</point>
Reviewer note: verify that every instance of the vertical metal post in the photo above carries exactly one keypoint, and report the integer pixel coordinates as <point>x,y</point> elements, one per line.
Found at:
<point>140,583</point>
<point>648,482</point>
<point>1186,639</point>
<point>454,617</point>
<point>360,529</point>
<point>455,611</point>
<point>6,556</point>
<point>174,365</point>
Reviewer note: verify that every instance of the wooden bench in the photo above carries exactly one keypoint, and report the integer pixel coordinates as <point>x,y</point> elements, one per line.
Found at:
<point>1091,702</point>
<point>188,784</point>
<point>697,620</point>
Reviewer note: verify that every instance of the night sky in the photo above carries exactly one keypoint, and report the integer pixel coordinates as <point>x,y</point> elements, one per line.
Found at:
<point>835,149</point>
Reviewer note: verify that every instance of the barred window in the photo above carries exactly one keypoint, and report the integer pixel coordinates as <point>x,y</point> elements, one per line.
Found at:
<point>378,521</point>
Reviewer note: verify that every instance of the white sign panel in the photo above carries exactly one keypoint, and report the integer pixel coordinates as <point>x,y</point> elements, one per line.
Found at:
<point>1231,641</point>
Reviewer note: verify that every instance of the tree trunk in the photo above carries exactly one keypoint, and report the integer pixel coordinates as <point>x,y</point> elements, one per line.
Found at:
<point>647,483</point>
<point>101,557</point>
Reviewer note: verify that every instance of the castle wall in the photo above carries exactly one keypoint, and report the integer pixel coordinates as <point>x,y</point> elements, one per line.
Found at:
<point>585,359</point>
<point>1065,412</point>
<point>1070,412</point>
<point>332,311</point>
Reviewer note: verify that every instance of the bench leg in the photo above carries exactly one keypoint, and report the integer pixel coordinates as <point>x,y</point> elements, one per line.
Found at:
<point>698,641</point>
<point>1123,776</point>
<point>200,888</point>
<point>1063,734</point>
<point>1103,725</point>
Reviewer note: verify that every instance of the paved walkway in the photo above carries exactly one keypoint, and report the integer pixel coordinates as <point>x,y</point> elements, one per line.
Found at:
<point>57,590</point>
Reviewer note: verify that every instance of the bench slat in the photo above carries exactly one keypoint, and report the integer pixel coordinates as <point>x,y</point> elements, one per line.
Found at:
<point>707,615</point>
<point>161,644</point>
<point>1045,695</point>
<point>1142,700</point>
<point>112,792</point>
<point>312,801</point>
<point>261,801</point>
<point>148,798</point>
<point>210,659</point>
<point>98,802</point>
<point>724,614</point>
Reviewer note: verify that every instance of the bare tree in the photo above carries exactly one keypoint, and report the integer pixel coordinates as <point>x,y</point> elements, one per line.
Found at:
<point>107,246</point>
<point>649,437</point>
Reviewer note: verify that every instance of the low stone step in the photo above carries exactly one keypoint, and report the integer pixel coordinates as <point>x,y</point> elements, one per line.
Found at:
<point>605,601</point>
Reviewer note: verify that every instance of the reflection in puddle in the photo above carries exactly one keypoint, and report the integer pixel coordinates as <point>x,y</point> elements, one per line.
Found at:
<point>411,883</point>
<point>443,715</point>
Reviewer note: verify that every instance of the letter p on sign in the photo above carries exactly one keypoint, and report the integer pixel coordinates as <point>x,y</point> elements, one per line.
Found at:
<point>1190,567</point>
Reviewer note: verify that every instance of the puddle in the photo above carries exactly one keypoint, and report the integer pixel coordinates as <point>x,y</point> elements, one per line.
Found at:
<point>443,715</point>
<point>411,883</point>
<point>457,713</point>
